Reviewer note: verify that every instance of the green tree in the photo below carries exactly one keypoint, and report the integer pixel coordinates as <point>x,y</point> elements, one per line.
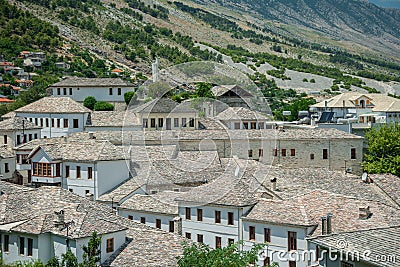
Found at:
<point>53,262</point>
<point>68,259</point>
<point>383,152</point>
<point>128,96</point>
<point>103,106</point>
<point>295,106</point>
<point>90,102</point>
<point>201,255</point>
<point>91,252</point>
<point>203,89</point>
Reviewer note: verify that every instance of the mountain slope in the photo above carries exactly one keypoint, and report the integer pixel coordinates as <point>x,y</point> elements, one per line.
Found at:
<point>358,21</point>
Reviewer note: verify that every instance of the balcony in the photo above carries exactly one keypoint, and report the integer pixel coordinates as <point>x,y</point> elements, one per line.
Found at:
<point>46,180</point>
<point>48,173</point>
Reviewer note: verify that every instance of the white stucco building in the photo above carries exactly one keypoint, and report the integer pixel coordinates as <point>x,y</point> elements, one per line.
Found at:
<point>17,130</point>
<point>156,210</point>
<point>236,118</point>
<point>287,224</point>
<point>58,116</point>
<point>359,105</point>
<point>7,165</point>
<point>64,221</point>
<point>165,114</point>
<point>90,167</point>
<point>103,89</point>
<point>41,223</point>
<point>212,213</point>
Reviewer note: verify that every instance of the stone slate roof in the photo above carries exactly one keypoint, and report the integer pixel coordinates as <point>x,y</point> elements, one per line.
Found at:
<point>140,137</point>
<point>307,210</point>
<point>17,123</point>
<point>112,119</point>
<point>380,102</point>
<point>211,124</point>
<point>35,210</point>
<point>120,192</point>
<point>42,141</point>
<point>237,185</point>
<point>9,115</point>
<point>144,246</point>
<point>162,165</point>
<point>82,151</point>
<point>294,182</point>
<point>225,191</point>
<point>380,242</point>
<point>91,82</point>
<point>160,203</point>
<point>265,134</point>
<point>240,113</point>
<point>220,90</point>
<point>164,105</point>
<point>52,104</point>
<point>389,183</point>
<point>115,137</point>
<point>6,152</point>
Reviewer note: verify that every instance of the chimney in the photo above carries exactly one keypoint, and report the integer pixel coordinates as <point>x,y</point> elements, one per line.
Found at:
<point>323,225</point>
<point>329,223</point>
<point>178,225</point>
<point>364,213</point>
<point>59,218</point>
<point>273,184</point>
<point>344,103</point>
<point>326,103</point>
<point>89,196</point>
<point>91,135</point>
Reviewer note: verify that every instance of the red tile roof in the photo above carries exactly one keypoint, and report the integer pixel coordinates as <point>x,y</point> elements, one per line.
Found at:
<point>117,70</point>
<point>5,100</point>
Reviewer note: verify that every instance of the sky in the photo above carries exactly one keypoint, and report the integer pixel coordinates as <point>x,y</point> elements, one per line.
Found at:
<point>386,3</point>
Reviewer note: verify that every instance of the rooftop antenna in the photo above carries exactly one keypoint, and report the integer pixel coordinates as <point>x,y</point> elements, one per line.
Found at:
<point>364,177</point>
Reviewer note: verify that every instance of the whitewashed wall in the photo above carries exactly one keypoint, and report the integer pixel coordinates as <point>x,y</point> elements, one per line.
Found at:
<point>48,131</point>
<point>279,241</point>
<point>101,93</point>
<point>150,217</point>
<point>208,228</point>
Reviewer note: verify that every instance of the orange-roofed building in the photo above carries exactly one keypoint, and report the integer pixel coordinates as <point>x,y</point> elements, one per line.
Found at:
<point>4,100</point>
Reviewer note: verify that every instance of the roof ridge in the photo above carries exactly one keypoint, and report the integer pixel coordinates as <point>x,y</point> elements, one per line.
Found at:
<point>303,211</point>
<point>357,231</point>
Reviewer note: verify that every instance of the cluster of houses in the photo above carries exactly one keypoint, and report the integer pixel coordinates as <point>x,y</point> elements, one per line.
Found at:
<point>22,75</point>
<point>356,112</point>
<point>161,172</point>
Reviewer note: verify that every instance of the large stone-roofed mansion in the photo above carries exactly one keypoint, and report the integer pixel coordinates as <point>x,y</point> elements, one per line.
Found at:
<point>46,222</point>
<point>58,116</point>
<point>90,167</point>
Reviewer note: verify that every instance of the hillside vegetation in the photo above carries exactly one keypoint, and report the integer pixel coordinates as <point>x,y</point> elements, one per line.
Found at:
<point>94,36</point>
